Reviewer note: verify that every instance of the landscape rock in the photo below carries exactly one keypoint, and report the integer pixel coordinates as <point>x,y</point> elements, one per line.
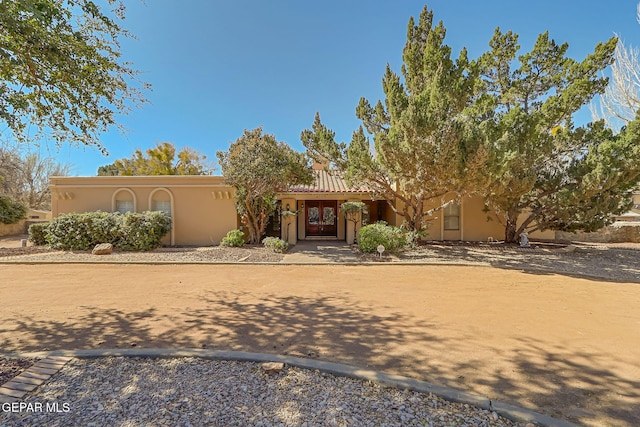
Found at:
<point>102,249</point>
<point>272,368</point>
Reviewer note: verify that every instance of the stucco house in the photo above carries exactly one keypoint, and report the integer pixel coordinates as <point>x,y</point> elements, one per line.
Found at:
<point>202,208</point>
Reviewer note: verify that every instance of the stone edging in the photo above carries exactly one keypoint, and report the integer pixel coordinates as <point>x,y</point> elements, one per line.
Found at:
<point>61,357</point>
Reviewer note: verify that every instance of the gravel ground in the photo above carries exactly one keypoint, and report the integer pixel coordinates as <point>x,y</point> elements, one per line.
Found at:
<point>249,253</point>
<point>11,367</point>
<point>194,392</point>
<point>618,262</point>
<point>163,392</point>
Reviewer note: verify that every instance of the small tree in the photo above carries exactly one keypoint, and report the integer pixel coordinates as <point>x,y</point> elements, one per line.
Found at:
<point>353,212</point>
<point>259,166</point>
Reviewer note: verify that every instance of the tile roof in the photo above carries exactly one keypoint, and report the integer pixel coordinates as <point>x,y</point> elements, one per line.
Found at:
<point>327,182</point>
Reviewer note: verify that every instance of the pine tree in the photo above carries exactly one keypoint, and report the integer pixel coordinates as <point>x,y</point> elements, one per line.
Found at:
<point>543,172</point>
<point>423,148</point>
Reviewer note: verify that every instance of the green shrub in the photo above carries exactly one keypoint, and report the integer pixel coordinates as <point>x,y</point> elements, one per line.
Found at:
<point>38,233</point>
<point>143,231</point>
<point>275,244</point>
<point>11,211</point>
<point>392,238</point>
<point>70,232</point>
<point>233,238</point>
<point>132,231</point>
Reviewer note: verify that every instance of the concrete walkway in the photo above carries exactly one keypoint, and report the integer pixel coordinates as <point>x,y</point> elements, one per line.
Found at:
<point>320,252</point>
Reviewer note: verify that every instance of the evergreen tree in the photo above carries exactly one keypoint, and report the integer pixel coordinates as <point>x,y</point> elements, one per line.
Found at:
<point>542,171</point>
<point>423,148</point>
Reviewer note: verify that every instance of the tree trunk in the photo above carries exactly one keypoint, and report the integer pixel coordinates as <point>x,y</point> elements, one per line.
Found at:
<point>511,228</point>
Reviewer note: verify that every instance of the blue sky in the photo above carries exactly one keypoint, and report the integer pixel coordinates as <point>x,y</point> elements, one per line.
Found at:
<point>218,68</point>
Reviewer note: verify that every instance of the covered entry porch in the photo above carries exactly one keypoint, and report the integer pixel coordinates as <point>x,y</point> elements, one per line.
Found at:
<point>312,212</point>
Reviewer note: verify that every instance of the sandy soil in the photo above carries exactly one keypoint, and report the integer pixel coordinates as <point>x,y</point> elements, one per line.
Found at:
<point>562,345</point>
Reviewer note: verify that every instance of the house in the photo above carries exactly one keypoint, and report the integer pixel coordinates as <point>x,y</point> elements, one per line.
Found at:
<point>202,208</point>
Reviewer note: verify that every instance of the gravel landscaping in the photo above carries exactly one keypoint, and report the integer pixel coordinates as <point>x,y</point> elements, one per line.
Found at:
<point>11,367</point>
<point>166,392</point>
<point>194,392</point>
<point>618,262</point>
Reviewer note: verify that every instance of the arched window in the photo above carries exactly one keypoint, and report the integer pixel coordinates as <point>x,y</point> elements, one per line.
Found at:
<point>123,201</point>
<point>161,199</point>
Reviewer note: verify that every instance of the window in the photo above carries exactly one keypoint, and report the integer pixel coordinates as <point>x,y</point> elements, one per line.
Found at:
<point>124,206</point>
<point>162,205</point>
<point>452,217</point>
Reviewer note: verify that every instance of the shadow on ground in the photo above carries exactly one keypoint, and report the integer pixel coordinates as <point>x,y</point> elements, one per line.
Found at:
<point>612,264</point>
<point>583,389</point>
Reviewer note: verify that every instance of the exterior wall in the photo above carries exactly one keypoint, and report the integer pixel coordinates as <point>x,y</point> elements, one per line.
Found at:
<point>11,229</point>
<point>288,230</point>
<point>475,223</point>
<point>618,232</point>
<point>22,226</point>
<point>203,208</point>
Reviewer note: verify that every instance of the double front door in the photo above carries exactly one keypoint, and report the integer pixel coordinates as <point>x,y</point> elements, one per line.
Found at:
<point>321,218</point>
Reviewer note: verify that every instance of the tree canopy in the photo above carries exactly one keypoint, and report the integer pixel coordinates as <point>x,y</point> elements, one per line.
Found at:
<point>25,178</point>
<point>543,171</point>
<point>423,150</point>
<point>259,166</point>
<point>160,160</point>
<point>500,127</point>
<point>61,72</point>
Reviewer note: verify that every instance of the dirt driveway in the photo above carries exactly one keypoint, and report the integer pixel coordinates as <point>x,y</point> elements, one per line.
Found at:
<point>565,346</point>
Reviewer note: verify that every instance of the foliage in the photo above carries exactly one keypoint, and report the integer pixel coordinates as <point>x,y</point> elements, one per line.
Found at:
<point>233,238</point>
<point>352,210</point>
<point>132,231</point>
<point>142,231</point>
<point>259,166</point>
<point>275,244</point>
<point>108,170</point>
<point>392,238</point>
<point>11,211</point>
<point>61,71</point>
<point>542,171</point>
<point>422,147</point>
<point>26,177</point>
<point>38,233</point>
<point>160,160</point>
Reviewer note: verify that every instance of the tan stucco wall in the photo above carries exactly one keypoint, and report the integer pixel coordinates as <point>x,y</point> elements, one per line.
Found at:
<point>203,208</point>
<point>475,223</point>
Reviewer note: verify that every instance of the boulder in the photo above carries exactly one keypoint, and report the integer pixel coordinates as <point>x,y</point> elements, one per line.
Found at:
<point>102,249</point>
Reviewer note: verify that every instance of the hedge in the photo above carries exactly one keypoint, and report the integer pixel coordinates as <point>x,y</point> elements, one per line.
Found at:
<point>131,231</point>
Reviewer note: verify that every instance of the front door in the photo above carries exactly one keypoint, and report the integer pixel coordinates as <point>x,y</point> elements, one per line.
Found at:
<point>321,218</point>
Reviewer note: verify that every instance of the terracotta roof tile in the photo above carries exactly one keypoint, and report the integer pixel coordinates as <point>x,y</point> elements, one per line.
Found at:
<point>327,182</point>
